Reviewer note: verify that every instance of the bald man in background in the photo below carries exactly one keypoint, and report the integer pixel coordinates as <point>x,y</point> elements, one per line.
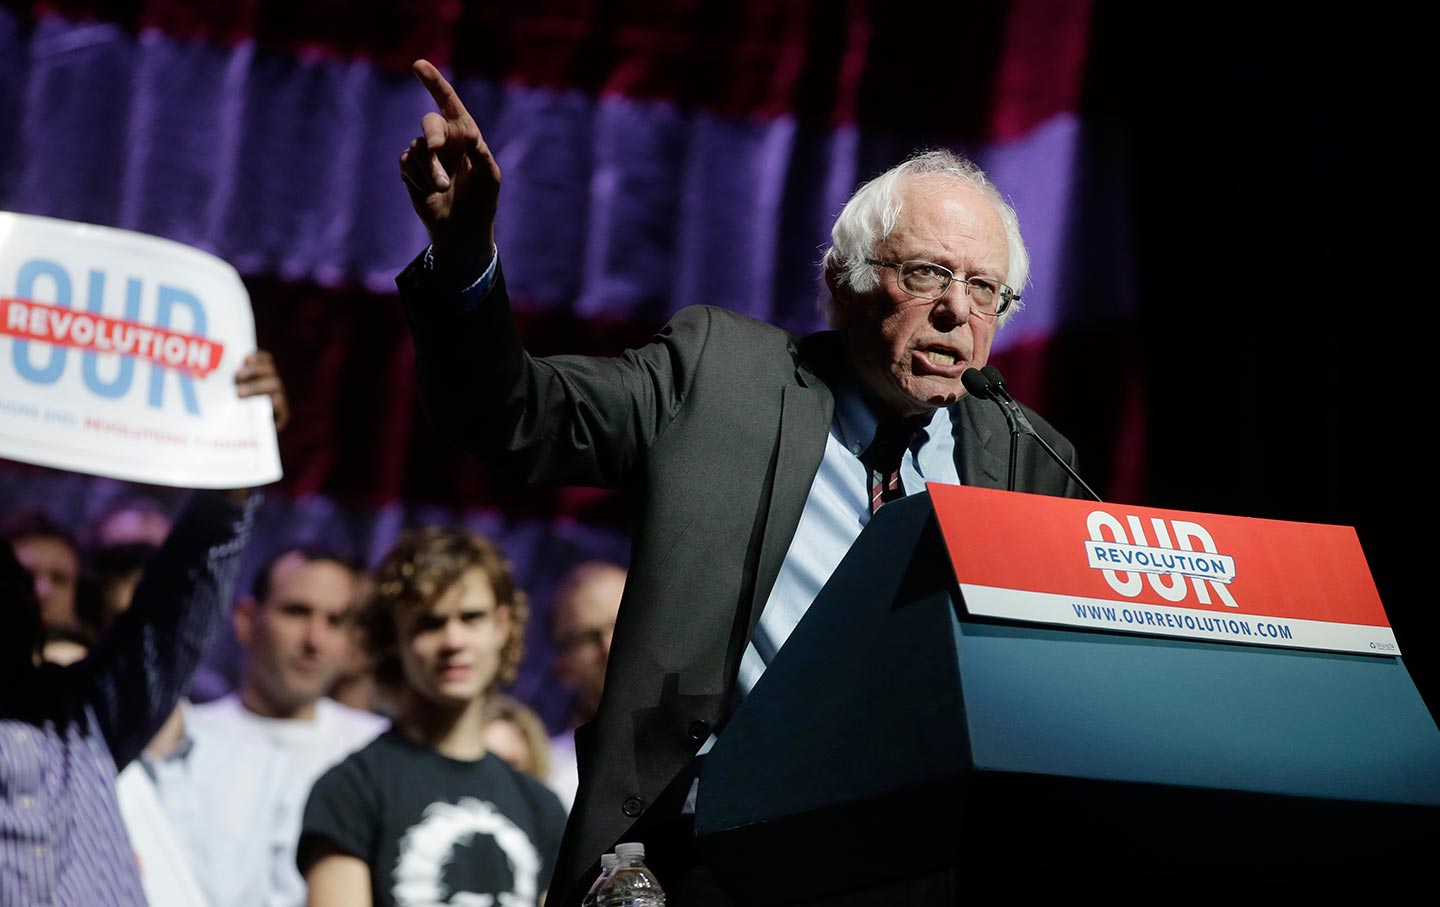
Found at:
<point>582,623</point>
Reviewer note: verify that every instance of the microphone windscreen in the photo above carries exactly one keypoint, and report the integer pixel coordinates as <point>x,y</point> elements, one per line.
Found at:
<point>993,376</point>
<point>976,383</point>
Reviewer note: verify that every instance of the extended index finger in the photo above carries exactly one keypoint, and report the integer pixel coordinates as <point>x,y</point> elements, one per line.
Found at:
<point>440,90</point>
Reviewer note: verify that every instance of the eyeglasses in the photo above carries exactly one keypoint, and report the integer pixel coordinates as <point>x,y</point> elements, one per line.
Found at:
<point>927,280</point>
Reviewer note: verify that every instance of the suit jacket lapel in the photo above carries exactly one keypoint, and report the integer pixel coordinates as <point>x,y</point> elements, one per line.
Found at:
<point>806,409</point>
<point>982,443</point>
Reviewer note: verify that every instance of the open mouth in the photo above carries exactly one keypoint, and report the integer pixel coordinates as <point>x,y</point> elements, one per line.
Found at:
<point>940,357</point>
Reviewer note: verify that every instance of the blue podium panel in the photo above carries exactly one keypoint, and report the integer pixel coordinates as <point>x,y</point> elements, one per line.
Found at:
<point>1118,708</point>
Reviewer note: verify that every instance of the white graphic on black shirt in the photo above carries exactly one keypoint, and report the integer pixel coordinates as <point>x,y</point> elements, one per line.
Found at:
<point>428,848</point>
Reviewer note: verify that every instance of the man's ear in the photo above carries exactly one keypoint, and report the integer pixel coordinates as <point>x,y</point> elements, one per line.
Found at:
<point>244,620</point>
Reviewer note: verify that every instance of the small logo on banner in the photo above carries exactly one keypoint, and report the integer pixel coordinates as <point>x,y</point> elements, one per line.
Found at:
<point>1182,558</point>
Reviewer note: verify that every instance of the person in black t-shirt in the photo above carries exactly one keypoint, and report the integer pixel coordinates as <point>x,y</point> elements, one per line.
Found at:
<point>424,815</point>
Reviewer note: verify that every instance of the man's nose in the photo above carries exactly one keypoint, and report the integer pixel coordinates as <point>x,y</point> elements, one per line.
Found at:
<point>451,636</point>
<point>315,630</point>
<point>952,308</point>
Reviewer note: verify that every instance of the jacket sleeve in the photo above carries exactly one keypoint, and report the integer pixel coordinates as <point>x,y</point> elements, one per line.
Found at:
<point>573,420</point>
<point>137,673</point>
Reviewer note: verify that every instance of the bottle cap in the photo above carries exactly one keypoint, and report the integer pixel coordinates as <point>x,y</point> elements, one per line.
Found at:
<point>633,849</point>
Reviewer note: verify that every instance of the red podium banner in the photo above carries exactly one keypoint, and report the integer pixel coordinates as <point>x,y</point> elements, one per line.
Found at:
<point>1161,572</point>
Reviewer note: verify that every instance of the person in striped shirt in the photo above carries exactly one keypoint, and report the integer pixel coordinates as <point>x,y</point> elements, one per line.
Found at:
<point>65,731</point>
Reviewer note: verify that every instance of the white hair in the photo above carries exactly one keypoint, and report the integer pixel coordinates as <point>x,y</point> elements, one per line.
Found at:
<point>872,212</point>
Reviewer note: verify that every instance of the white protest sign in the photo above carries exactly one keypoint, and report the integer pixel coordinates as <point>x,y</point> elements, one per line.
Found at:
<point>118,354</point>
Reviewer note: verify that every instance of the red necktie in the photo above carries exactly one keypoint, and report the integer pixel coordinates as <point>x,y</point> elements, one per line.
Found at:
<point>883,456</point>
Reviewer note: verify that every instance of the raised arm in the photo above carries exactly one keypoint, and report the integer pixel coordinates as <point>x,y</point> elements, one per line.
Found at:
<point>567,419</point>
<point>453,181</point>
<point>139,670</point>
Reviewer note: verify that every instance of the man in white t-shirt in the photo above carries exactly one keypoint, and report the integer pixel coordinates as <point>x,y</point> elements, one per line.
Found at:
<point>581,624</point>
<point>295,630</point>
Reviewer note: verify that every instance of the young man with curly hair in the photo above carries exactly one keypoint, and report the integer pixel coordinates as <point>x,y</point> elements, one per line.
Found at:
<point>424,814</point>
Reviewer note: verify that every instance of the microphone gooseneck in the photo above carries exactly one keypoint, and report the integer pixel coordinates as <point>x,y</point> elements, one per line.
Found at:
<point>988,384</point>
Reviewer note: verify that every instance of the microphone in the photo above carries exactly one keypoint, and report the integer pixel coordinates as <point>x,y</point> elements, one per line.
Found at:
<point>980,385</point>
<point>997,380</point>
<point>988,384</point>
<point>977,383</point>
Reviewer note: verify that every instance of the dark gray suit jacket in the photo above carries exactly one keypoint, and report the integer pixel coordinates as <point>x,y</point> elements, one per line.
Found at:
<point>716,429</point>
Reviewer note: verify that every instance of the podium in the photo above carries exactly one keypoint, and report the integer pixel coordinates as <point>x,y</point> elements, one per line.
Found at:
<point>900,750</point>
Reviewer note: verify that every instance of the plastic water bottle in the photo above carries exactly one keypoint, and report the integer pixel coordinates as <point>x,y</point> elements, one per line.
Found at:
<point>630,883</point>
<point>592,897</point>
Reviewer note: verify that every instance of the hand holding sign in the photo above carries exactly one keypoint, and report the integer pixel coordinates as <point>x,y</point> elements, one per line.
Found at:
<point>453,180</point>
<point>259,377</point>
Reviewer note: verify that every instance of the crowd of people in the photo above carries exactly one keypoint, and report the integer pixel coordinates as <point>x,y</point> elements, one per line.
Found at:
<point>370,730</point>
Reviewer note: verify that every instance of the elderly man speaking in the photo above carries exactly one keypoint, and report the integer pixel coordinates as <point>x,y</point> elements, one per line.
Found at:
<point>754,457</point>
